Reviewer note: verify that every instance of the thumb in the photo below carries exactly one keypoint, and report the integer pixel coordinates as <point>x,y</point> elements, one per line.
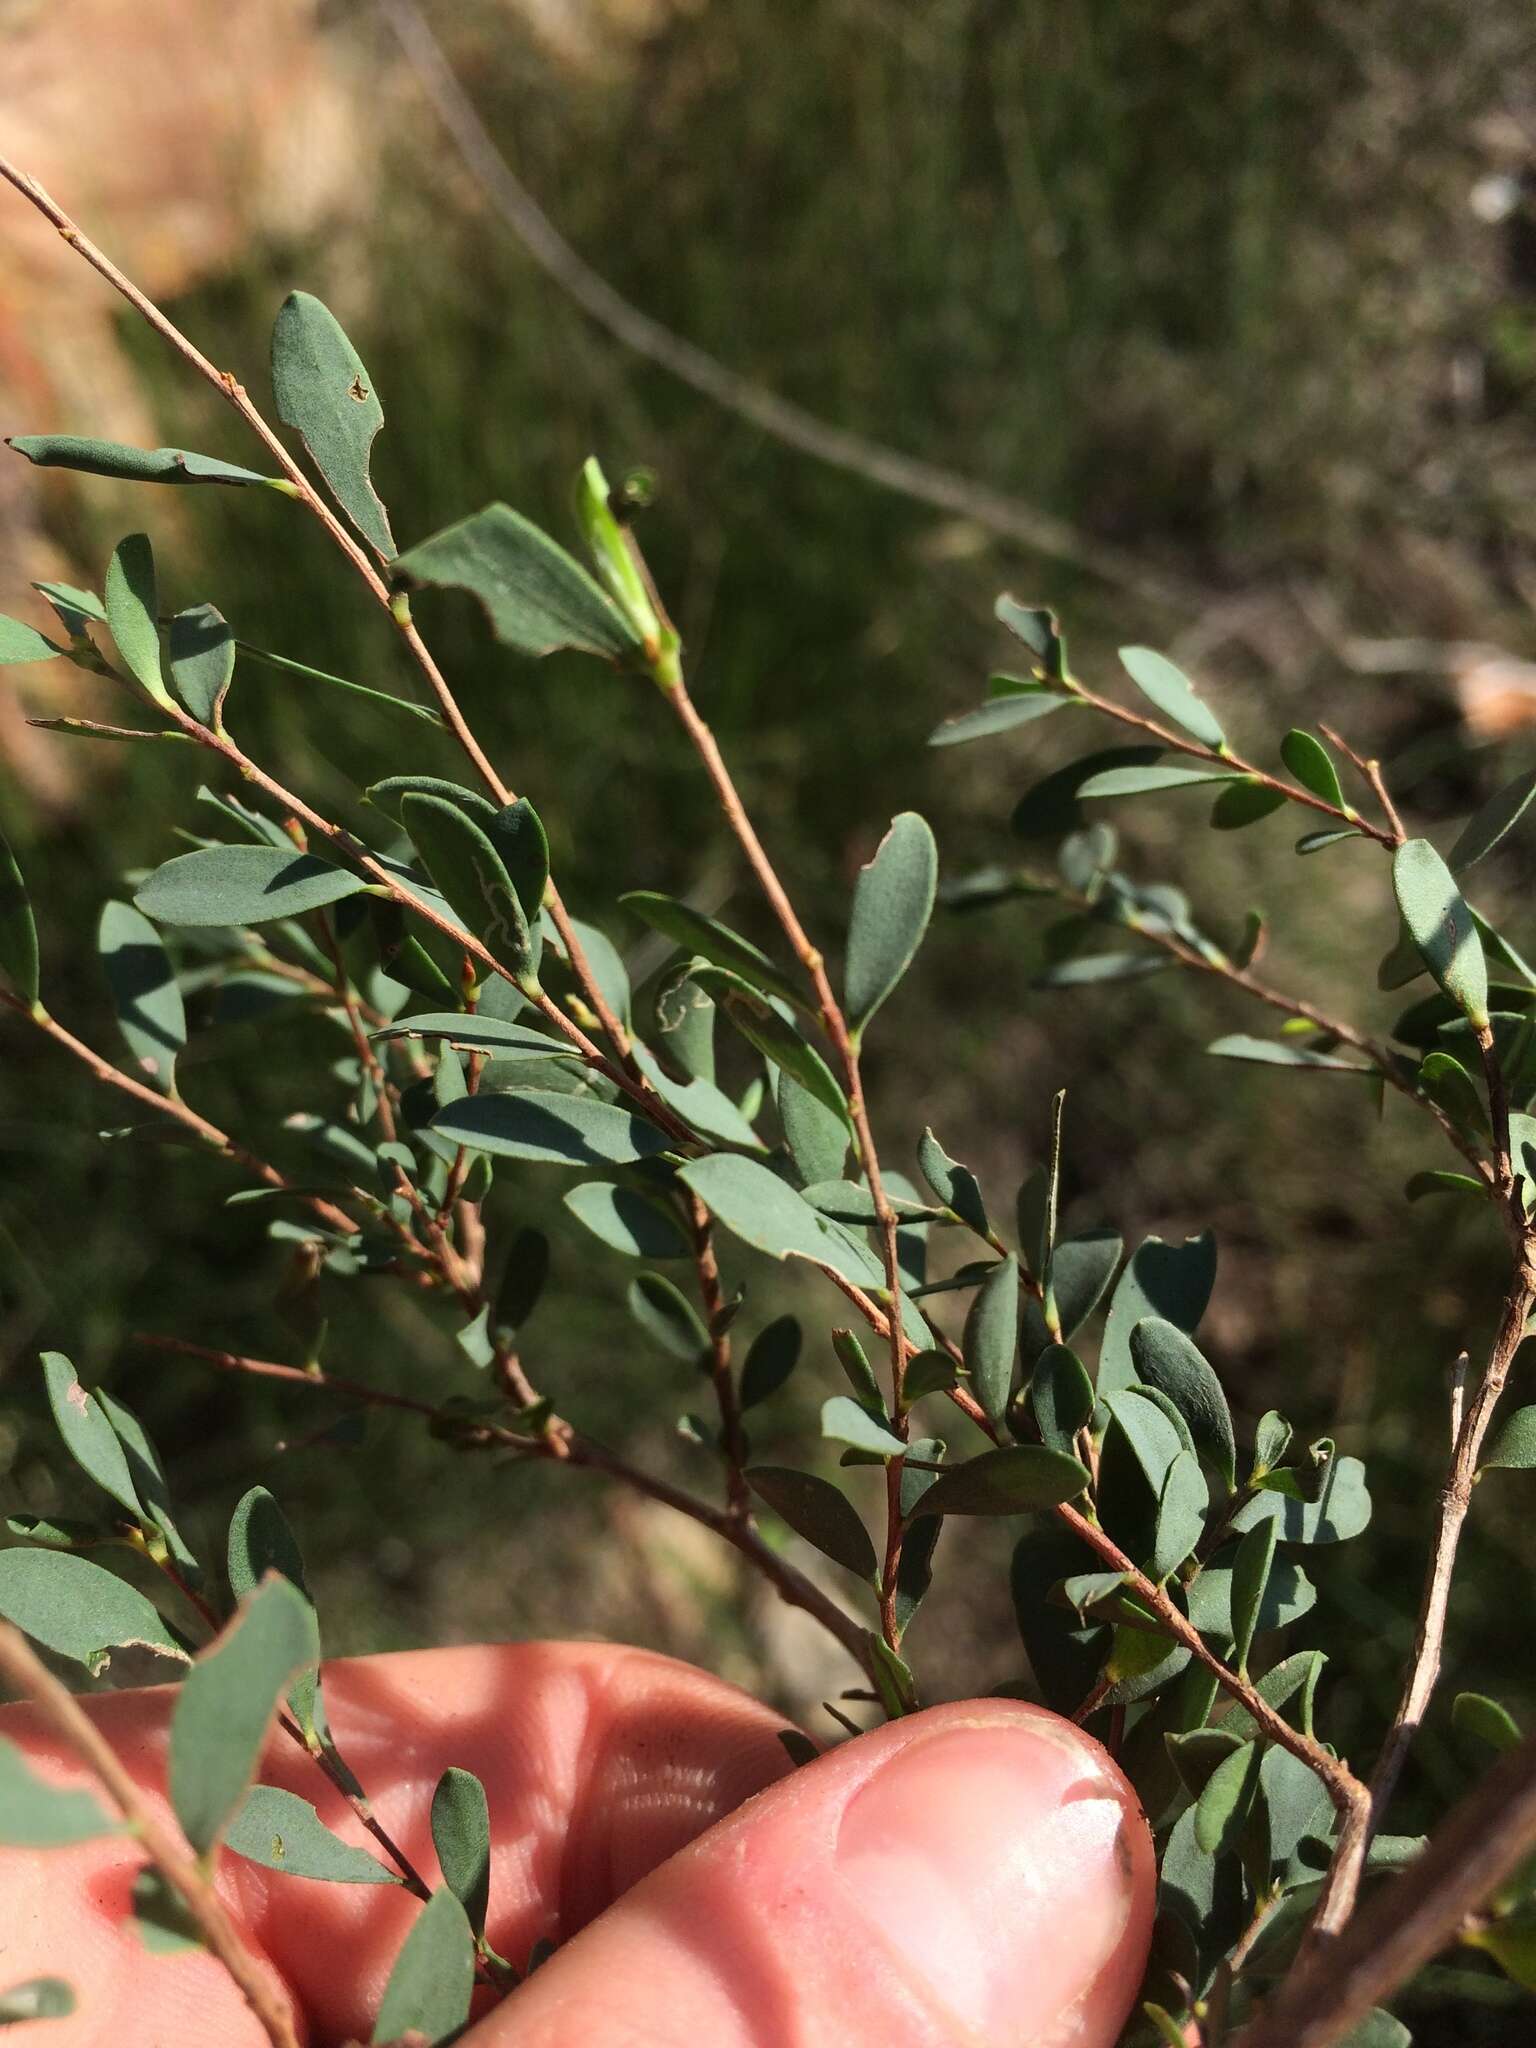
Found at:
<point>978,1876</point>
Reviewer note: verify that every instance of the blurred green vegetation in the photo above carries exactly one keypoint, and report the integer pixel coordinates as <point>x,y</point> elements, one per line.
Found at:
<point>1197,277</point>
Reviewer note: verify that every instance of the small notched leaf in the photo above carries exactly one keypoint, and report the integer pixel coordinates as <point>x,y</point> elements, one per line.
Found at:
<point>428,1995</point>
<point>954,1185</point>
<point>818,1511</point>
<point>226,1704</point>
<point>145,994</point>
<point>892,903</point>
<point>201,649</point>
<point>324,393</point>
<point>461,1835</point>
<point>1440,925</point>
<point>1173,693</point>
<point>132,465</point>
<point>132,605</point>
<point>537,598</point>
<point>282,1832</point>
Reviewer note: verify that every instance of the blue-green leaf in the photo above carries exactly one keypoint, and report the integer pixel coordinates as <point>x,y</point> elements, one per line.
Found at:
<point>1173,693</point>
<point>202,655</point>
<point>432,1983</point>
<point>145,994</point>
<point>1440,925</point>
<point>559,1130</point>
<point>132,604</point>
<point>88,1435</point>
<point>892,903</point>
<point>1312,765</point>
<point>79,1611</point>
<point>326,395</point>
<point>132,465</point>
<point>37,1815</point>
<point>815,1509</point>
<point>1144,781</point>
<point>1019,1479</point>
<point>219,885</point>
<point>282,1832</point>
<point>1173,1281</point>
<point>991,1337</point>
<point>627,1220</point>
<point>461,1835</point>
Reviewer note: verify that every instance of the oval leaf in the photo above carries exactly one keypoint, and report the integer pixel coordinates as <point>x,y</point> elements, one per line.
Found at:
<point>88,1435</point>
<point>236,885</point>
<point>1017,1480</point>
<point>1312,765</point>
<point>474,882</point>
<point>558,1130</point>
<point>20,643</point>
<point>148,1002</point>
<point>226,1705</point>
<point>461,1835</point>
<point>1144,781</point>
<point>1173,1281</point>
<point>627,1220</point>
<point>991,1337</point>
<point>1173,693</point>
<point>324,393</point>
<point>712,941</point>
<point>892,903</point>
<point>816,1510</point>
<point>132,602</point>
<point>1440,925</point>
<point>998,714</point>
<point>846,1421</point>
<point>202,656</point>
<point>282,1832</point>
<point>1167,1358</point>
<point>771,1358</point>
<point>430,1987</point>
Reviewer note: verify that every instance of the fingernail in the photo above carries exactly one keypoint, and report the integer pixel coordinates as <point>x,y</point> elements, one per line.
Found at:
<point>995,1859</point>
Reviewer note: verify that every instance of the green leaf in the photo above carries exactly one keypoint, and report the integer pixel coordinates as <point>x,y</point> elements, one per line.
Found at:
<point>1173,1281</point>
<point>219,885</point>
<point>433,1980</point>
<point>928,1372</point>
<point>226,1704</point>
<point>160,1916</point>
<point>1097,967</point>
<point>1037,628</point>
<point>1377,2030</point>
<point>202,656</point>
<point>1341,1510</point>
<point>1061,1395</point>
<point>1271,1441</point>
<point>991,1337</point>
<point>18,930</point>
<point>79,1611</point>
<point>1473,1713</point>
<point>517,832</point>
<point>282,1832</point>
<point>627,1220</point>
<point>766,1212</point>
<point>325,394</point>
<point>1020,1479</point>
<point>772,1357</point>
<point>892,903</point>
<point>1514,1444</point>
<point>1167,1358</point>
<point>281,664</point>
<point>88,1436</point>
<point>1155,1432</point>
<point>522,1281</point>
<point>145,995</point>
<point>77,609</point>
<point>1181,1511</point>
<point>558,1130</point>
<point>479,1034</point>
<point>1446,1081</point>
<point>1488,824</point>
<point>461,1835</point>
<point>846,1421</point>
<point>132,465</point>
<point>765,1030</point>
<point>1251,1568</point>
<point>39,1998</point>
<point>817,1140</point>
<point>668,1318</point>
<point>818,1511</point>
<point>536,597</point>
<point>1244,803</point>
<point>1278,1052</point>
<point>20,643</point>
<point>1144,781</point>
<point>1224,1805</point>
<point>608,545</point>
<point>1173,693</point>
<point>261,1541</point>
<point>1079,1271</point>
<point>468,870</point>
<point>998,714</point>
<point>35,1814</point>
<point>1312,765</point>
<point>132,603</point>
<point>954,1185</point>
<point>1330,835</point>
<point>712,941</point>
<point>1440,925</point>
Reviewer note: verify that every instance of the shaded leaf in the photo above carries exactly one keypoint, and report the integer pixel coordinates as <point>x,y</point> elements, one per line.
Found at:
<point>1144,781</point>
<point>1051,809</point>
<point>1491,821</point>
<point>559,1130</point>
<point>991,1337</point>
<point>1173,1281</point>
<point>1279,1052</point>
<point>771,1358</point>
<point>517,832</point>
<point>1181,1510</point>
<point>1167,1358</point>
<point>1079,1272</point>
<point>1223,1806</point>
<point>1251,1567</point>
<point>35,1814</point>
<point>818,1511</point>
<point>226,1704</point>
<point>1341,1510</point>
<point>765,1030</point>
<point>202,656</point>
<point>468,870</point>
<point>1244,803</point>
<point>1513,1448</point>
<point>1017,1480</point>
<point>1173,693</point>
<point>711,940</point>
<point>145,995</point>
<point>18,929</point>
<point>1330,835</point>
<point>954,1185</point>
<point>88,1435</point>
<point>1473,1713</point>
<point>261,1541</point>
<point>1312,765</point>
<point>1288,1595</point>
<point>432,1983</point>
<point>20,643</point>
<point>892,903</point>
<point>667,1317</point>
<point>817,1140</point>
<point>537,597</point>
<point>220,885</point>
<point>1061,1395</point>
<point>282,1832</point>
<point>326,395</point>
<point>627,1220</point>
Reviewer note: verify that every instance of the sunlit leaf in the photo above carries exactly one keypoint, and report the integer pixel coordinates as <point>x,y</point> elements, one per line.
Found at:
<point>1440,925</point>
<point>537,597</point>
<point>1312,765</point>
<point>1167,1358</point>
<point>461,1835</point>
<point>132,465</point>
<point>430,1987</point>
<point>1020,1479</point>
<point>1173,693</point>
<point>892,903</point>
<point>326,395</point>
<point>282,1832</point>
<point>79,1611</point>
<point>559,1130</point>
<point>242,885</point>
<point>991,1337</point>
<point>1173,1281</point>
<point>132,606</point>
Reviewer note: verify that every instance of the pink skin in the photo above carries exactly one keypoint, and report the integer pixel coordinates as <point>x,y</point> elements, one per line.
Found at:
<point>978,1876</point>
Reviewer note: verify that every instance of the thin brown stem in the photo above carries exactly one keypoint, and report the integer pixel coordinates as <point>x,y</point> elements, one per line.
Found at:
<point>1486,1837</point>
<point>258,1985</point>
<point>1371,771</point>
<point>565,1443</point>
<point>173,1106</point>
